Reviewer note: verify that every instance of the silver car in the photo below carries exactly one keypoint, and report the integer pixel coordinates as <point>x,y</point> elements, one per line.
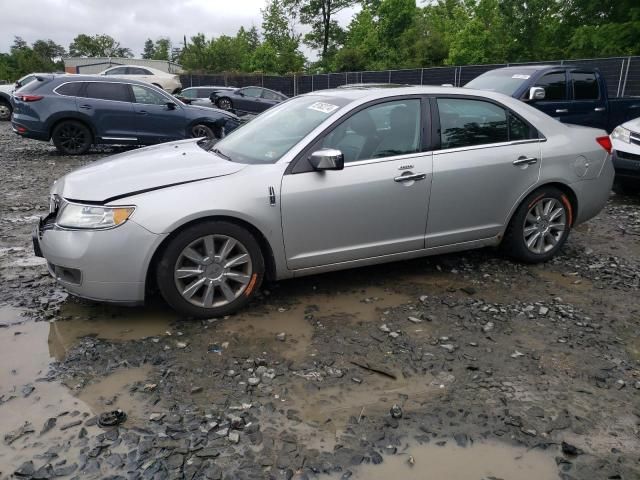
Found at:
<point>324,181</point>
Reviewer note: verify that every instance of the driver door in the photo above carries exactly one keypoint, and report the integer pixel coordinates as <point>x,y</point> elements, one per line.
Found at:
<point>377,205</point>
<point>248,100</point>
<point>156,122</point>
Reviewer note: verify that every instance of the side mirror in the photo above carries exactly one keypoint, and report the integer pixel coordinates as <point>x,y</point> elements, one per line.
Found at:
<point>327,159</point>
<point>240,93</point>
<point>171,105</point>
<point>536,93</point>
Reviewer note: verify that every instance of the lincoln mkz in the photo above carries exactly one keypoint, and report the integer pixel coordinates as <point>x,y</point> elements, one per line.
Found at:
<point>324,181</point>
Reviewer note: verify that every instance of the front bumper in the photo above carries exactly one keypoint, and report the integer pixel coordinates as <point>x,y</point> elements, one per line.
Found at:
<point>627,164</point>
<point>103,265</point>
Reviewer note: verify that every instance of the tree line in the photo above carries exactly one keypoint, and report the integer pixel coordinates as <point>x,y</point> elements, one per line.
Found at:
<point>383,34</point>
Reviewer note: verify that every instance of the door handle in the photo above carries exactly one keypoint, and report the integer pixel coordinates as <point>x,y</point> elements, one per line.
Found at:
<point>525,161</point>
<point>562,110</point>
<point>599,109</point>
<point>142,112</point>
<point>85,107</point>
<point>410,177</point>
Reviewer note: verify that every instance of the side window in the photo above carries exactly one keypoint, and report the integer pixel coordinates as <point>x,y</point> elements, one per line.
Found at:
<point>384,130</point>
<point>69,89</point>
<point>108,91</point>
<point>519,129</point>
<point>117,71</point>
<point>136,71</point>
<point>252,92</point>
<point>585,86</point>
<point>203,92</point>
<point>555,85</point>
<point>269,95</point>
<point>147,96</point>
<point>464,123</point>
<point>188,93</point>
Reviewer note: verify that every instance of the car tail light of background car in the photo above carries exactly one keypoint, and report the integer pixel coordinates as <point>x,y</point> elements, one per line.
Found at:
<point>605,142</point>
<point>29,98</point>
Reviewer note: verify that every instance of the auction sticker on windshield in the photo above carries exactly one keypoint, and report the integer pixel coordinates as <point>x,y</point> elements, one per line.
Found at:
<point>521,77</point>
<point>323,107</point>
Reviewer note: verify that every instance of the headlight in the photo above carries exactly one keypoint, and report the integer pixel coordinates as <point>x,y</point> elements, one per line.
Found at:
<point>73,215</point>
<point>622,134</point>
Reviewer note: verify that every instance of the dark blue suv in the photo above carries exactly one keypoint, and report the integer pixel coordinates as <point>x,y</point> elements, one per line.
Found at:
<point>77,111</point>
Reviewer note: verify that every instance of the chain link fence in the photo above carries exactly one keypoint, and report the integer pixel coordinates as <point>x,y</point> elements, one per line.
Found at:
<point>622,75</point>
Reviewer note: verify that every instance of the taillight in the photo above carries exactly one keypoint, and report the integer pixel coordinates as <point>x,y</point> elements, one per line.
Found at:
<point>29,98</point>
<point>605,142</point>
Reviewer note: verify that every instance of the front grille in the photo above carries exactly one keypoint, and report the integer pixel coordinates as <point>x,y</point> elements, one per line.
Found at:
<point>634,138</point>
<point>628,156</point>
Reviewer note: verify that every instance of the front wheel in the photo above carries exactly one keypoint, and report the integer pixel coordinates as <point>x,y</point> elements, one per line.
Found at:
<point>72,138</point>
<point>210,270</point>
<point>540,226</point>
<point>202,130</point>
<point>5,111</point>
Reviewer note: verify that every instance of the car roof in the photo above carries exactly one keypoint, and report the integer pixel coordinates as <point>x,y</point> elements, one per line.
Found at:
<point>75,77</point>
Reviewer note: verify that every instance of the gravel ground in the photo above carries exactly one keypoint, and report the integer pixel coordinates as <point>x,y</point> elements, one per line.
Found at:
<point>401,365</point>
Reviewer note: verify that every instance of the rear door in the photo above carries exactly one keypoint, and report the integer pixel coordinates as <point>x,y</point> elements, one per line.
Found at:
<point>589,106</point>
<point>156,122</point>
<point>249,100</point>
<point>270,98</point>
<point>108,107</point>
<point>556,103</point>
<point>488,158</point>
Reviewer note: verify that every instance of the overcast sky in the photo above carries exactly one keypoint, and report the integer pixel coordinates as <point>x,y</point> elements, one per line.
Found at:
<point>130,22</point>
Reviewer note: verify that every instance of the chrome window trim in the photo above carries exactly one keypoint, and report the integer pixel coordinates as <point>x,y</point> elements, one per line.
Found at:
<point>388,159</point>
<point>92,98</point>
<point>488,145</point>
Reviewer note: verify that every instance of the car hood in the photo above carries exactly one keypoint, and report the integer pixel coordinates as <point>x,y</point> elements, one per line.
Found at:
<point>633,125</point>
<point>143,170</point>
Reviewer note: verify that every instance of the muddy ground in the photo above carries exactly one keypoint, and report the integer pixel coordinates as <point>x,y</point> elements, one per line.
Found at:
<point>465,366</point>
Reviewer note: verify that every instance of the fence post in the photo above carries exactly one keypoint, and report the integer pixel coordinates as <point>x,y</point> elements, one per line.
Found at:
<point>312,75</point>
<point>262,80</point>
<point>389,81</point>
<point>422,76</point>
<point>626,75</point>
<point>620,79</point>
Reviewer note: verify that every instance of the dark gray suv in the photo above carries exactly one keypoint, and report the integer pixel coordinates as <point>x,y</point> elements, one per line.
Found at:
<point>79,111</point>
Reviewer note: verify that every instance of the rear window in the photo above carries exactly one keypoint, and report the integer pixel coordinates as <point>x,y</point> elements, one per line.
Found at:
<point>69,89</point>
<point>585,86</point>
<point>108,91</point>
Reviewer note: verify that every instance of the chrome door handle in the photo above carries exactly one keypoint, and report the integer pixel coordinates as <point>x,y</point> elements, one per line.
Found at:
<point>562,110</point>
<point>525,161</point>
<point>599,109</point>
<point>85,107</point>
<point>411,177</point>
<point>142,112</point>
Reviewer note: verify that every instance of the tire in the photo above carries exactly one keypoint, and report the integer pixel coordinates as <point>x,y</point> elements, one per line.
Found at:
<point>72,138</point>
<point>539,227</point>
<point>198,286</point>
<point>623,187</point>
<point>202,130</point>
<point>5,111</point>
<point>225,103</point>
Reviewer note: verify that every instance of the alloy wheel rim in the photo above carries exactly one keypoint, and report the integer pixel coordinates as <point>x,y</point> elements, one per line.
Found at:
<point>72,138</point>
<point>213,271</point>
<point>5,112</point>
<point>544,225</point>
<point>201,131</point>
<point>225,104</point>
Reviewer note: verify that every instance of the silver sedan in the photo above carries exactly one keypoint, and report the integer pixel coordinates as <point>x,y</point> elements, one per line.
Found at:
<point>324,181</point>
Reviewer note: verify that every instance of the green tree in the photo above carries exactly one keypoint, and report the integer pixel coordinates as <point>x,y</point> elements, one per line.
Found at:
<point>162,49</point>
<point>280,39</point>
<point>325,35</point>
<point>97,46</point>
<point>149,49</point>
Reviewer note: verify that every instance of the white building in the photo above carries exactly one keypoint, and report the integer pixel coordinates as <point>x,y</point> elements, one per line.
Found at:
<point>94,65</point>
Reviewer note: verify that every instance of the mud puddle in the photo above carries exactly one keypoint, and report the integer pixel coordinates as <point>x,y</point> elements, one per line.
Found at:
<point>297,319</point>
<point>477,462</point>
<point>10,315</point>
<point>106,322</point>
<point>29,400</point>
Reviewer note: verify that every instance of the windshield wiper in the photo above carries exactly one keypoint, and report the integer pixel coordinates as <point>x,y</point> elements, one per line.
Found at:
<point>223,155</point>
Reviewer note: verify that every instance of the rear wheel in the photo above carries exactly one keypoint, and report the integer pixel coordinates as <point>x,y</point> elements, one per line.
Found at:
<point>72,138</point>
<point>210,270</point>
<point>225,104</point>
<point>5,110</point>
<point>540,226</point>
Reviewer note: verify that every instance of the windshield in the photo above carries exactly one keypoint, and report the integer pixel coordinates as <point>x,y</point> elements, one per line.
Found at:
<point>501,81</point>
<point>272,134</point>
